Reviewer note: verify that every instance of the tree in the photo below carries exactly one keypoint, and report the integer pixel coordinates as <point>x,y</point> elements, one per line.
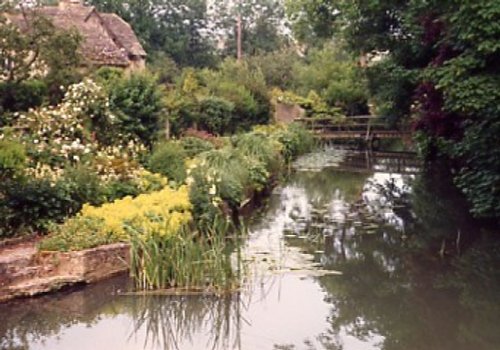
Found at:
<point>31,48</point>
<point>312,20</point>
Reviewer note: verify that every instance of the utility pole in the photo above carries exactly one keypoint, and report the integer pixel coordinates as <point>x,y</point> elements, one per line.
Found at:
<point>239,53</point>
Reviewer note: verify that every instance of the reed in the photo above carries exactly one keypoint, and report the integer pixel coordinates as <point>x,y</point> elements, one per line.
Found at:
<point>189,261</point>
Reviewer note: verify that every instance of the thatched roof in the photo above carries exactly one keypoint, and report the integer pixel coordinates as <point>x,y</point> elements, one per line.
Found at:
<point>106,38</point>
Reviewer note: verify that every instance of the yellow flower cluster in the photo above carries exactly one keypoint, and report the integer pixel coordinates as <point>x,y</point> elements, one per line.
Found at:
<point>163,213</point>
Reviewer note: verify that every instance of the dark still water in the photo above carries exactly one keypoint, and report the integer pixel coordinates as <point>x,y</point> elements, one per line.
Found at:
<point>355,251</point>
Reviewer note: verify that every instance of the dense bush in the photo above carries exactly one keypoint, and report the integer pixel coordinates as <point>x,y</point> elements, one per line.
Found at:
<point>137,102</point>
<point>244,86</point>
<point>258,147</point>
<point>215,115</point>
<point>16,97</point>
<point>168,159</point>
<point>335,77</point>
<point>277,67</point>
<point>294,139</point>
<point>31,205</point>
<point>12,158</point>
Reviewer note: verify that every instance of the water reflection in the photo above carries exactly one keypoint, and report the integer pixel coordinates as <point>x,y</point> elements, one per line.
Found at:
<point>394,291</point>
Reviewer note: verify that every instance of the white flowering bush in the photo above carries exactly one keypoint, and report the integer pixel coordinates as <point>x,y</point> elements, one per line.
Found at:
<point>80,130</point>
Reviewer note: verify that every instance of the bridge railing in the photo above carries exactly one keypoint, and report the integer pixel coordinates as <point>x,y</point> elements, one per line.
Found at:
<point>356,127</point>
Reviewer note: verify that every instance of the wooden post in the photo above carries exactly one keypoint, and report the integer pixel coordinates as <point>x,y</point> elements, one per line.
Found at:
<point>167,129</point>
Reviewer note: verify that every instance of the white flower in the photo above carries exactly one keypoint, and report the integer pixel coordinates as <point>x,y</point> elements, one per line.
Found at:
<point>213,190</point>
<point>189,181</point>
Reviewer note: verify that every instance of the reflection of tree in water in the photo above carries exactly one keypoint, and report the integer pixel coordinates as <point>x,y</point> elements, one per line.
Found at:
<point>170,321</point>
<point>162,320</point>
<point>324,185</point>
<point>391,286</point>
<point>415,302</point>
<point>31,320</point>
<point>442,211</point>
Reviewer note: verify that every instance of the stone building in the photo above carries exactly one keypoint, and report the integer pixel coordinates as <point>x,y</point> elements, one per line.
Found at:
<point>107,40</point>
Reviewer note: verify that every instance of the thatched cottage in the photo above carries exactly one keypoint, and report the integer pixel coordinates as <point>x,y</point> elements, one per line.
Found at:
<point>107,40</point>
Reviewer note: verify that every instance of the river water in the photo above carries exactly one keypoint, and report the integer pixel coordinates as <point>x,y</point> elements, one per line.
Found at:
<point>347,254</point>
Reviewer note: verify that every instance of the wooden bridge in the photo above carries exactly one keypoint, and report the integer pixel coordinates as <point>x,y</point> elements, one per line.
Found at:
<point>366,128</point>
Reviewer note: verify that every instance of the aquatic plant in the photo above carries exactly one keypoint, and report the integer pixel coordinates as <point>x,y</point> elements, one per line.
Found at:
<point>189,260</point>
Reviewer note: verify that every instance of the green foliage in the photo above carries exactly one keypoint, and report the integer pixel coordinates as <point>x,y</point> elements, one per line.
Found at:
<point>295,141</point>
<point>12,159</point>
<point>335,77</point>
<point>277,67</point>
<point>257,146</point>
<point>245,87</point>
<point>187,260</point>
<point>78,234</point>
<point>137,102</point>
<point>227,167</point>
<point>33,204</point>
<point>108,76</point>
<point>164,68</point>
<point>193,146</point>
<point>262,23</point>
<point>479,177</point>
<point>437,64</point>
<point>215,115</point>
<point>168,159</point>
<point>392,95</point>
<point>52,55</point>
<point>312,21</point>
<point>21,96</point>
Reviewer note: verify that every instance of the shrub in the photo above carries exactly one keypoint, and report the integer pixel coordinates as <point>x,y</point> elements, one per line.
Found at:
<point>137,102</point>
<point>168,160</point>
<point>259,147</point>
<point>277,67</point>
<point>336,78</point>
<point>295,140</point>
<point>215,115</point>
<point>108,76</point>
<point>15,97</point>
<point>32,205</point>
<point>194,146</point>
<point>78,234</point>
<point>245,87</point>
<point>67,132</point>
<point>12,158</point>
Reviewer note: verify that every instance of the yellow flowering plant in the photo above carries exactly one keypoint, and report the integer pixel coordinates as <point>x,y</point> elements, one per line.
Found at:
<point>161,213</point>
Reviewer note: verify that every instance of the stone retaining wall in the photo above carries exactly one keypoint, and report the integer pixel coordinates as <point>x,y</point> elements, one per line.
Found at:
<point>43,272</point>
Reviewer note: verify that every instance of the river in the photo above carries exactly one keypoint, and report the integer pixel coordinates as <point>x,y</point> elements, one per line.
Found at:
<point>355,251</point>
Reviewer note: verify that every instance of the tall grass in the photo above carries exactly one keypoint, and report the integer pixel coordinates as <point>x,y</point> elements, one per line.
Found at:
<point>188,260</point>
